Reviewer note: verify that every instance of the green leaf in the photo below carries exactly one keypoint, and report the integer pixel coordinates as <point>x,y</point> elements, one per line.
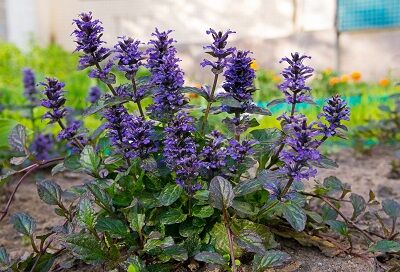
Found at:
<point>4,258</point>
<point>391,208</point>
<point>170,194</point>
<point>137,221</point>
<point>195,90</point>
<point>176,252</point>
<point>17,138</point>
<point>103,103</point>
<point>250,241</point>
<point>244,208</point>
<point>325,162</point>
<point>385,246</point>
<point>100,195</point>
<point>253,185</point>
<point>189,228</point>
<point>339,227</point>
<point>85,247</point>
<point>333,184</point>
<point>156,245</point>
<point>86,215</point>
<point>295,215</point>
<point>221,193</point>
<point>89,159</point>
<point>258,110</point>
<point>202,211</point>
<point>276,102</point>
<point>172,216</point>
<point>7,126</point>
<point>271,258</point>
<point>201,195</point>
<point>113,226</point>
<point>328,213</point>
<point>210,258</point>
<point>49,192</point>
<point>72,162</point>
<point>18,160</point>
<point>261,230</point>
<point>359,205</point>
<point>58,169</point>
<point>23,223</point>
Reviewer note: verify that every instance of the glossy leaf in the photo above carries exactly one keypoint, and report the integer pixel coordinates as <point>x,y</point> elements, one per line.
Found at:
<point>49,192</point>
<point>210,257</point>
<point>85,247</point>
<point>339,227</point>
<point>359,205</point>
<point>385,246</point>
<point>203,211</point>
<point>391,208</point>
<point>17,138</point>
<point>89,159</point>
<point>270,259</point>
<point>86,215</point>
<point>4,257</point>
<point>113,226</point>
<point>170,194</point>
<point>221,193</point>
<point>250,241</point>
<point>23,223</point>
<point>295,215</point>
<point>172,216</point>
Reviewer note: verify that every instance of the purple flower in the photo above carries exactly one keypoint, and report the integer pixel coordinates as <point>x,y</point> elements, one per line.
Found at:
<point>30,90</point>
<point>138,137</point>
<point>88,39</point>
<point>180,151</point>
<point>218,50</point>
<point>41,146</point>
<point>239,77</point>
<point>335,111</point>
<point>238,152</point>
<point>302,148</point>
<point>115,125</point>
<point>294,79</point>
<point>94,94</point>
<point>275,190</point>
<point>104,74</point>
<point>166,75</point>
<point>54,101</point>
<point>129,56</point>
<point>70,131</point>
<point>213,155</point>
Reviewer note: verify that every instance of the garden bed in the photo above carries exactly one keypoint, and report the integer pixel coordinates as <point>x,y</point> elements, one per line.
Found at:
<point>362,172</point>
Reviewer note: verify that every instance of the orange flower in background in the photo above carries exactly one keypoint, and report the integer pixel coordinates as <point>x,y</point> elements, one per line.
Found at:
<point>333,81</point>
<point>355,76</point>
<point>344,78</point>
<point>384,82</point>
<point>276,79</point>
<point>254,65</point>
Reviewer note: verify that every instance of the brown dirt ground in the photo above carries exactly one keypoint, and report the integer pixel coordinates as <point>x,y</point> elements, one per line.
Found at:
<point>362,172</point>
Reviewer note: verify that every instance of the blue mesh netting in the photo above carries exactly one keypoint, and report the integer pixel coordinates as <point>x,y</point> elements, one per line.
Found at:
<point>368,14</point>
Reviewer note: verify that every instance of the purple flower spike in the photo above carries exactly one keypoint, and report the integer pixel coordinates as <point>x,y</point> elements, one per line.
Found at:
<point>239,77</point>
<point>104,74</point>
<point>88,39</point>
<point>30,90</point>
<point>335,111</point>
<point>69,132</point>
<point>303,149</point>
<point>238,152</point>
<point>41,146</point>
<point>294,79</point>
<point>180,151</point>
<point>218,50</point>
<point>54,101</point>
<point>129,56</point>
<point>166,75</point>
<point>138,137</point>
<point>213,155</point>
<point>115,116</point>
<point>94,94</point>
<point>275,189</point>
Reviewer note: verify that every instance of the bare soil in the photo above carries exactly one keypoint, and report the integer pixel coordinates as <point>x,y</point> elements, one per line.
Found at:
<point>362,172</point>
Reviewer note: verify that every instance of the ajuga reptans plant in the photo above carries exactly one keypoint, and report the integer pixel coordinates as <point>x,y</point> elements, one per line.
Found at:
<point>163,189</point>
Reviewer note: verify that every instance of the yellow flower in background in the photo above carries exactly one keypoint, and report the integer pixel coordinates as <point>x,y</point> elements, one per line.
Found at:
<point>328,71</point>
<point>344,78</point>
<point>254,65</point>
<point>276,79</point>
<point>333,81</point>
<point>356,76</point>
<point>384,82</point>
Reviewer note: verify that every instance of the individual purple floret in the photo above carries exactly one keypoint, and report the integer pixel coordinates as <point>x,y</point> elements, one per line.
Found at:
<point>166,75</point>
<point>302,149</point>
<point>138,136</point>
<point>30,90</point>
<point>294,79</point>
<point>41,146</point>
<point>239,77</point>
<point>54,101</point>
<point>213,154</point>
<point>218,50</point>
<point>275,190</point>
<point>88,39</point>
<point>129,56</point>
<point>94,94</point>
<point>70,131</point>
<point>104,74</point>
<point>115,125</point>
<point>335,111</point>
<point>238,152</point>
<point>180,151</point>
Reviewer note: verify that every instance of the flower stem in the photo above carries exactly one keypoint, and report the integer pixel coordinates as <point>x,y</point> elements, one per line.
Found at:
<point>137,101</point>
<point>237,134</point>
<point>100,69</point>
<point>230,240</point>
<point>76,141</point>
<point>210,101</point>
<point>287,187</point>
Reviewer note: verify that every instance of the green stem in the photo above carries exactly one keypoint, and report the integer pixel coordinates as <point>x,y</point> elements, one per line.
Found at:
<point>237,134</point>
<point>211,100</point>
<point>230,240</point>
<point>100,69</point>
<point>76,141</point>
<point>137,101</point>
